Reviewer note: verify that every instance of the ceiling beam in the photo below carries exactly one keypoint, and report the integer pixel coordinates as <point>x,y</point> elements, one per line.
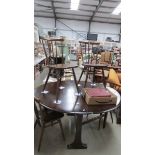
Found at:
<point>53,8</point>
<point>43,16</point>
<point>87,16</point>
<point>71,28</point>
<point>93,5</point>
<point>77,19</point>
<point>44,11</point>
<point>60,13</point>
<point>82,10</point>
<point>69,8</point>
<point>98,6</point>
<point>43,5</point>
<point>112,1</point>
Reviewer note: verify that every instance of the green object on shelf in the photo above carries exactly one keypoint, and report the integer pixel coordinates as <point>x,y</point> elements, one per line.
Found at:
<point>87,56</point>
<point>65,52</point>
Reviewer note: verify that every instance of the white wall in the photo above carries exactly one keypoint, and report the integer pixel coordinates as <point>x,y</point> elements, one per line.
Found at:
<point>46,24</point>
<point>102,29</point>
<point>74,24</point>
<point>105,30</point>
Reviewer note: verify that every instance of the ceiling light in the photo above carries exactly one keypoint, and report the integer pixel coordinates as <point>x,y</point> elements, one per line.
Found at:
<point>74,4</point>
<point>117,10</point>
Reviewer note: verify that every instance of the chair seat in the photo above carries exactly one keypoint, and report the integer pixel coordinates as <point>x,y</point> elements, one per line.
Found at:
<point>62,66</point>
<point>52,116</point>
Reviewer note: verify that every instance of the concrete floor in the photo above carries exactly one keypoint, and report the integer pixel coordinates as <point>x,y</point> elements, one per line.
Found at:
<point>105,141</point>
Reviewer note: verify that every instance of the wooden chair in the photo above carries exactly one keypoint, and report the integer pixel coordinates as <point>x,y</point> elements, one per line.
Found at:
<point>56,64</point>
<point>45,118</point>
<point>106,58</point>
<point>114,81</point>
<point>90,61</point>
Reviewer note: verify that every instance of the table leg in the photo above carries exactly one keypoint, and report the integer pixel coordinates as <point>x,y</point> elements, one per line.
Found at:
<point>34,72</point>
<point>57,89</point>
<point>77,144</point>
<point>81,74</point>
<point>86,77</point>
<point>103,78</point>
<point>47,79</point>
<point>75,80</point>
<point>93,75</point>
<point>105,119</point>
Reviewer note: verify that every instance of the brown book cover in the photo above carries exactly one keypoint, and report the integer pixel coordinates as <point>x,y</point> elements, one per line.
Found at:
<point>98,100</point>
<point>94,92</point>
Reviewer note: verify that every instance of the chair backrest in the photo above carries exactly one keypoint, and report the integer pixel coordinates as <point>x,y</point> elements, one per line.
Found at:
<point>106,57</point>
<point>56,48</point>
<point>45,47</point>
<point>39,110</point>
<point>53,49</point>
<point>86,50</point>
<point>114,79</point>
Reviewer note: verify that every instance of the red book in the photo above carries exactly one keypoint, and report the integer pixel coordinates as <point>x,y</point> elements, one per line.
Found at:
<point>98,92</point>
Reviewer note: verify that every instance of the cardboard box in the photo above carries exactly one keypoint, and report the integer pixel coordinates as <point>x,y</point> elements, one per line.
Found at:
<point>91,100</point>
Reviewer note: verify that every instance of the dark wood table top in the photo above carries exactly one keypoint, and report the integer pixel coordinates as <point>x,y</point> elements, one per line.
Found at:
<point>114,67</point>
<point>62,66</point>
<point>89,42</point>
<point>69,102</point>
<point>53,39</point>
<point>95,65</point>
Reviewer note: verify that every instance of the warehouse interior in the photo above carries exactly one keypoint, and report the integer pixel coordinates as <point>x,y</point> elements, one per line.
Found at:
<point>85,32</point>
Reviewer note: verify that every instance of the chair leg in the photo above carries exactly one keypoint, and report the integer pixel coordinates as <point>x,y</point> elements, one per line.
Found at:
<point>47,79</point>
<point>81,75</point>
<point>99,121</point>
<point>41,136</point>
<point>87,116</point>
<point>111,116</point>
<point>103,78</point>
<point>105,119</point>
<point>57,89</point>
<point>62,132</point>
<point>35,123</point>
<point>86,77</point>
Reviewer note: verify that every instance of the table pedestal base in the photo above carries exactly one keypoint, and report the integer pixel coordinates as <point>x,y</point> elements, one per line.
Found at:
<point>77,144</point>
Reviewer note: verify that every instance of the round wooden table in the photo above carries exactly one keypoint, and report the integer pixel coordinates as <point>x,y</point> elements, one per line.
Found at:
<point>72,104</point>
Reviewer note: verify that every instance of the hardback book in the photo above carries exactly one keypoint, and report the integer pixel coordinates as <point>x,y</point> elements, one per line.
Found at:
<point>97,92</point>
<point>98,96</point>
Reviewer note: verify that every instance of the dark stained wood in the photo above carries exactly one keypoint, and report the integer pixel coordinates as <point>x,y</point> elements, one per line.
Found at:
<point>54,39</point>
<point>62,66</point>
<point>114,67</point>
<point>89,42</point>
<point>87,69</point>
<point>46,117</point>
<point>105,119</point>
<point>96,65</point>
<point>69,102</point>
<point>77,144</point>
<point>56,63</point>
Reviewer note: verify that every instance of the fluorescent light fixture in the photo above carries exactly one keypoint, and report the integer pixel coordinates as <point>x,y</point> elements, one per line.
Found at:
<point>74,4</point>
<point>117,10</point>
